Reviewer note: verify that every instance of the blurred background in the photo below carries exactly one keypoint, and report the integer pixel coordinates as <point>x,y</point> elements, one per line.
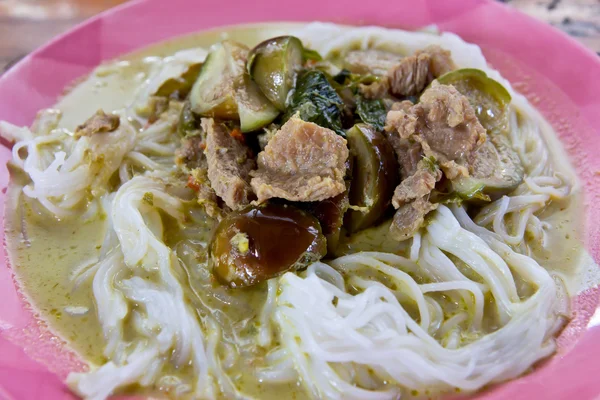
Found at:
<point>27,24</point>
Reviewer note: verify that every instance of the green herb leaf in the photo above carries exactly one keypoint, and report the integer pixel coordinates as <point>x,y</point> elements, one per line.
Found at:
<point>372,112</point>
<point>316,101</point>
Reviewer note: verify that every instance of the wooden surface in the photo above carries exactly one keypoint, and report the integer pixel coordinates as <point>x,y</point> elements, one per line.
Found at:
<point>27,24</point>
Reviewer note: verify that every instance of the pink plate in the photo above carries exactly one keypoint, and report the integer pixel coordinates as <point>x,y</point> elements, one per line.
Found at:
<point>557,74</point>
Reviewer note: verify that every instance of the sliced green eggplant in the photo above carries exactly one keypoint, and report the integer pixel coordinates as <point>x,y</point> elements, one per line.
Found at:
<point>260,243</point>
<point>224,90</point>
<point>180,87</point>
<point>187,125</point>
<point>213,93</point>
<point>488,97</point>
<point>330,213</point>
<point>374,178</point>
<point>254,110</point>
<point>495,171</point>
<point>274,65</point>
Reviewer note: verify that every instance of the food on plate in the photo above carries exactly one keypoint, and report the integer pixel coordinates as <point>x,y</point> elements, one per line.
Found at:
<point>296,211</point>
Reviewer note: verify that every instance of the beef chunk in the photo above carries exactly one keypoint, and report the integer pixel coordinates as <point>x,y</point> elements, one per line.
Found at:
<point>418,185</point>
<point>376,90</point>
<point>190,159</point>
<point>191,154</point>
<point>408,152</point>
<point>410,76</point>
<point>442,127</point>
<point>440,60</point>
<point>302,162</point>
<point>98,123</point>
<point>444,124</point>
<point>409,218</point>
<point>207,198</point>
<point>229,164</point>
<point>376,62</point>
<point>400,76</point>
<point>403,105</point>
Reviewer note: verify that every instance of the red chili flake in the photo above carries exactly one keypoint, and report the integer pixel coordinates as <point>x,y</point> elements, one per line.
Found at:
<point>193,184</point>
<point>238,135</point>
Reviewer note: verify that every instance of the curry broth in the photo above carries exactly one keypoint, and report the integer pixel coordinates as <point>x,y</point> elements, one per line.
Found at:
<point>44,251</point>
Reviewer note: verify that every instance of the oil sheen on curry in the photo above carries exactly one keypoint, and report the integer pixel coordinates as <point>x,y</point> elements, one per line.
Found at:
<point>296,211</point>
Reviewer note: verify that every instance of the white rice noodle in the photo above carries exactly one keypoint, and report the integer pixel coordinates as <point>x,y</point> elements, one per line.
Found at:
<point>13,133</point>
<point>265,334</point>
<point>154,149</point>
<point>334,338</point>
<point>511,217</point>
<point>64,170</point>
<point>168,330</point>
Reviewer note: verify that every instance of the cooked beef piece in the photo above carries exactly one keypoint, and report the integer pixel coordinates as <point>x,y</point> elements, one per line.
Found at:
<point>403,105</point>
<point>207,198</point>
<point>376,90</point>
<point>409,218</point>
<point>98,123</point>
<point>411,75</point>
<point>376,62</point>
<point>302,162</point>
<point>444,124</point>
<point>191,154</point>
<point>190,159</point>
<point>418,185</point>
<point>229,165</point>
<point>440,60</point>
<point>408,152</point>
<point>400,76</point>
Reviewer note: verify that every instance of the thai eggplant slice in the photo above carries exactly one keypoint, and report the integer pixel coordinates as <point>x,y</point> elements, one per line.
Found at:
<point>274,65</point>
<point>495,170</point>
<point>260,243</point>
<point>188,124</point>
<point>180,86</point>
<point>224,90</point>
<point>374,178</point>
<point>330,213</point>
<point>488,97</point>
<point>254,110</point>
